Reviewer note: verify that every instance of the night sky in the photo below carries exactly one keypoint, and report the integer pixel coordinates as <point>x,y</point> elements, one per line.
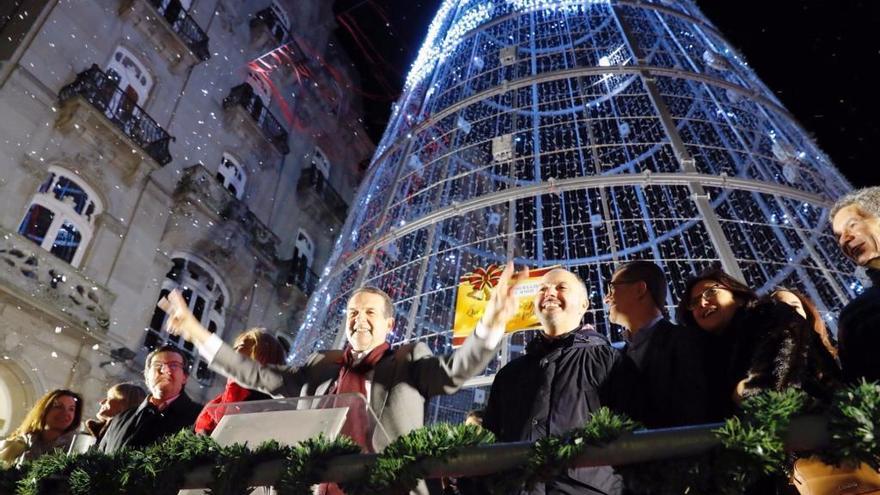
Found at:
<point>818,56</point>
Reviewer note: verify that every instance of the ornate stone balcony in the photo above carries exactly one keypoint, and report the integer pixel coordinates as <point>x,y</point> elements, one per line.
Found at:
<point>127,119</point>
<point>199,187</point>
<point>177,35</point>
<point>242,97</point>
<point>318,196</point>
<point>266,19</point>
<point>37,277</point>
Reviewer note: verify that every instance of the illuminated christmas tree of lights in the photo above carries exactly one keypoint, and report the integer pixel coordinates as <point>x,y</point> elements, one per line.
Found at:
<point>582,134</point>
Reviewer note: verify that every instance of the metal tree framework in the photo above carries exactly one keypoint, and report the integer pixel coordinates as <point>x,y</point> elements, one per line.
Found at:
<point>581,133</point>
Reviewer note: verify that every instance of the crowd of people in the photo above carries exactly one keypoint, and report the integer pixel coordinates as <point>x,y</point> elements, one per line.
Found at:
<point>726,343</point>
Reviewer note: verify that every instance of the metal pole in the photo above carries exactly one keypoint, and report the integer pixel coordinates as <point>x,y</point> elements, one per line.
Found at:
<point>804,433</point>
<point>685,160</point>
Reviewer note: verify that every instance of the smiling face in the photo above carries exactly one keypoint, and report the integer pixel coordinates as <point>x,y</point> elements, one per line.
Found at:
<point>712,305</point>
<point>165,375</point>
<point>858,234</point>
<point>366,324</point>
<point>792,300</point>
<point>61,413</point>
<point>560,302</point>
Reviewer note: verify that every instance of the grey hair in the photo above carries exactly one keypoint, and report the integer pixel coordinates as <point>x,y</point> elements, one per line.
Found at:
<point>866,198</point>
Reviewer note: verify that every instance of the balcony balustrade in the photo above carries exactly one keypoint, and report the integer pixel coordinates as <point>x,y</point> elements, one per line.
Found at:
<point>120,108</point>
<point>184,26</point>
<point>302,277</point>
<point>315,188</point>
<point>52,285</point>
<point>271,22</point>
<point>243,96</point>
<point>198,186</point>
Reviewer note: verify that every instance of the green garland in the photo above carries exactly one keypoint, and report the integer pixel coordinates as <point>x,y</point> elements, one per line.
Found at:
<point>397,468</point>
<point>752,450</point>
<point>160,469</point>
<point>235,465</point>
<point>854,422</point>
<point>551,456</point>
<point>305,460</point>
<point>753,443</point>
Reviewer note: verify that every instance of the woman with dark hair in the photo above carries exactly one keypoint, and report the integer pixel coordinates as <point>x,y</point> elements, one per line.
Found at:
<point>49,425</point>
<point>257,344</point>
<point>711,302</point>
<point>751,344</point>
<point>805,307</point>
<point>822,362</point>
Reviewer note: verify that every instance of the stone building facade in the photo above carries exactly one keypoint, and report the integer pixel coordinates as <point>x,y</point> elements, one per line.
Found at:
<point>145,145</point>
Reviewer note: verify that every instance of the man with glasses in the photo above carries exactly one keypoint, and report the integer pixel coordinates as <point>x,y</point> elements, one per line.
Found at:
<point>660,382</point>
<point>165,411</point>
<point>855,219</point>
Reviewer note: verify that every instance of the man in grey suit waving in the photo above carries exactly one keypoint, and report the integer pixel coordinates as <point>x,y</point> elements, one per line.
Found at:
<point>396,382</point>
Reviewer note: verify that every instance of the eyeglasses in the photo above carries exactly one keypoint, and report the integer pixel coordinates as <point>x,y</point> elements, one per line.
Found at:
<point>705,295</point>
<point>172,366</point>
<point>614,283</point>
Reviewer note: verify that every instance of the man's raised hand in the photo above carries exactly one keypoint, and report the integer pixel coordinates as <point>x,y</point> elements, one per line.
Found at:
<point>180,319</point>
<point>502,304</point>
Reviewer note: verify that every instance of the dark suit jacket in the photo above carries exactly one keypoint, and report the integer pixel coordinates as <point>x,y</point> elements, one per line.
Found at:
<point>144,425</point>
<point>859,334</point>
<point>661,381</point>
<point>402,380</point>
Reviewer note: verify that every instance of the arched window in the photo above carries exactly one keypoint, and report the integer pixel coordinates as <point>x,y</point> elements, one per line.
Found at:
<point>304,250</point>
<point>61,216</point>
<point>130,74</point>
<point>320,162</point>
<point>207,299</point>
<point>232,175</point>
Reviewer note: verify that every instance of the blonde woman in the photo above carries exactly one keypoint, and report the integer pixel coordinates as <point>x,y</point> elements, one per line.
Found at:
<point>120,397</point>
<point>49,425</point>
<point>257,344</point>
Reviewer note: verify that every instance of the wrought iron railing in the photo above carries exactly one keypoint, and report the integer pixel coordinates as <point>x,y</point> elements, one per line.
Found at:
<point>244,95</point>
<point>302,277</point>
<point>268,17</point>
<point>184,25</point>
<point>122,109</point>
<point>311,178</point>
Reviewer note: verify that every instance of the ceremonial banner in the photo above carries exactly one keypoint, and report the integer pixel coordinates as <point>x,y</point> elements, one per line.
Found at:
<point>474,290</point>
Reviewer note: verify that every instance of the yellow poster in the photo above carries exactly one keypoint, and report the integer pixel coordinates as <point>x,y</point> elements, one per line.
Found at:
<point>474,290</point>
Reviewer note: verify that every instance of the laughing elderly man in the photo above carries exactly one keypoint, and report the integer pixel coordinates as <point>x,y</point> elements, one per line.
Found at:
<point>855,219</point>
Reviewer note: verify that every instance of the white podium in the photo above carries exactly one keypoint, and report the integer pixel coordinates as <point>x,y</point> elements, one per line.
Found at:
<point>289,421</point>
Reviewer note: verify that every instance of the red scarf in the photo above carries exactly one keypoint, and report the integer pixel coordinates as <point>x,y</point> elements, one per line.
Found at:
<point>353,378</point>
<point>210,416</point>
